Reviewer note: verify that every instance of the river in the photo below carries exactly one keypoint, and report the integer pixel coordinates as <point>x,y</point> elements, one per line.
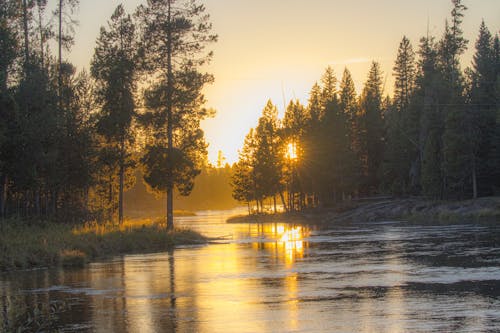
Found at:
<point>278,277</point>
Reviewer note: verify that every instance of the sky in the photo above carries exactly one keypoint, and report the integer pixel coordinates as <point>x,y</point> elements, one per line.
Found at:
<point>277,49</point>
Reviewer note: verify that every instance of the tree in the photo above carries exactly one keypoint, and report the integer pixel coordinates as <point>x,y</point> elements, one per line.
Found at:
<point>338,163</point>
<point>269,153</point>
<point>174,38</point>
<point>404,74</point>
<point>329,86</point>
<point>456,145</point>
<point>402,135</point>
<point>349,105</point>
<point>481,112</point>
<point>293,134</point>
<point>115,70</point>
<point>425,103</point>
<point>65,10</point>
<point>8,45</point>
<point>371,128</point>
<point>243,180</point>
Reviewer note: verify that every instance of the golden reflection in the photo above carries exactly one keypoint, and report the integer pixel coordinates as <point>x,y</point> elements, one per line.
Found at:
<point>293,302</point>
<point>288,241</point>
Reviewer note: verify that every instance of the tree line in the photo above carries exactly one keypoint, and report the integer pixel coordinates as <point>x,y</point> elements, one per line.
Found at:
<point>70,142</point>
<point>438,136</point>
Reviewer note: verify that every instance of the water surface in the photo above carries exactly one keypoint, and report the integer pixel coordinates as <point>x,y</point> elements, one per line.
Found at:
<point>277,277</point>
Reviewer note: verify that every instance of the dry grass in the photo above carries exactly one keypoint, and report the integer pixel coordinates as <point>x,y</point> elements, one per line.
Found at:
<point>39,244</point>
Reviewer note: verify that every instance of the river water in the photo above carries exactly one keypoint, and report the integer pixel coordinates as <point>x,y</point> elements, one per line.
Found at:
<point>277,277</point>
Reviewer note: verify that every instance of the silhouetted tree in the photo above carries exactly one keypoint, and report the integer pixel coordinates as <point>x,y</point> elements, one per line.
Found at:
<point>371,128</point>
<point>114,66</point>
<point>175,35</point>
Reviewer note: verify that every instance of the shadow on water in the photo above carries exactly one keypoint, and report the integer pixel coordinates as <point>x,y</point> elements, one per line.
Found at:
<point>390,277</point>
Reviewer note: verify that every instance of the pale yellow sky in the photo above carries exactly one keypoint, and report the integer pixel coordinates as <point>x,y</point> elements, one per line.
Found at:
<point>278,48</point>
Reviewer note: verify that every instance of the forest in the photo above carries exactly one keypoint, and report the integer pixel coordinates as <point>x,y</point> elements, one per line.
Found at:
<point>437,137</point>
<point>71,143</point>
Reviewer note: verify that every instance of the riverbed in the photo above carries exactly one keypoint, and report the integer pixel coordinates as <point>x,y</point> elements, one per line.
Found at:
<point>280,277</point>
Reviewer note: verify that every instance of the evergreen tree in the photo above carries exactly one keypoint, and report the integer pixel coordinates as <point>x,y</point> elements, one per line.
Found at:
<point>494,159</point>
<point>349,105</point>
<point>456,145</point>
<point>175,35</point>
<point>115,70</point>
<point>329,86</point>
<point>338,162</point>
<point>9,45</point>
<point>371,129</point>
<point>65,25</point>
<point>426,103</point>
<point>402,134</point>
<point>404,74</point>
<point>311,153</point>
<point>481,112</point>
<point>243,180</point>
<point>293,134</point>
<point>269,154</point>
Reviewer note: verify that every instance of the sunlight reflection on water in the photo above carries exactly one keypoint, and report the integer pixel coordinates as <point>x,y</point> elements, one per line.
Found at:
<point>278,277</point>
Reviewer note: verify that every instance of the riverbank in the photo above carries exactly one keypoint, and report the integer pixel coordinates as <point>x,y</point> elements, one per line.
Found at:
<point>411,209</point>
<point>41,244</point>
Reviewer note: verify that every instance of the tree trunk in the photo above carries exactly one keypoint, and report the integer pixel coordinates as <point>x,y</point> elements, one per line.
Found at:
<point>120,194</point>
<point>170,88</point>
<point>60,52</point>
<point>284,202</point>
<point>3,196</point>
<point>274,202</point>
<point>42,42</point>
<point>26,34</point>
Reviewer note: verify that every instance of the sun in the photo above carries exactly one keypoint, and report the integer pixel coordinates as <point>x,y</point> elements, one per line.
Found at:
<point>292,151</point>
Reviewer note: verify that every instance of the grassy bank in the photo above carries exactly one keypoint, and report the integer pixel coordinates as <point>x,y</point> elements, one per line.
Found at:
<point>27,245</point>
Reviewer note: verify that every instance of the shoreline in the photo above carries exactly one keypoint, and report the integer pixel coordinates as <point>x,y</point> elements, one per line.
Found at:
<point>48,245</point>
<point>410,209</point>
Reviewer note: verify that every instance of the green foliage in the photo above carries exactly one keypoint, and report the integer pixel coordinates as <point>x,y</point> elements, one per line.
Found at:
<point>243,181</point>
<point>371,129</point>
<point>163,166</point>
<point>114,67</point>
<point>402,149</point>
<point>174,38</point>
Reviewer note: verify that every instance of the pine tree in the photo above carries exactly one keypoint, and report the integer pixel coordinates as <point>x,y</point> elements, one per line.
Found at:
<point>311,153</point>
<point>349,105</point>
<point>329,86</point>
<point>175,35</point>
<point>431,125</point>
<point>338,162</point>
<point>293,136</point>
<point>404,74</point>
<point>244,181</point>
<point>269,153</point>
<point>8,45</point>
<point>494,158</point>
<point>371,128</point>
<point>114,66</point>
<point>456,148</point>
<point>402,134</point>
<point>481,112</point>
